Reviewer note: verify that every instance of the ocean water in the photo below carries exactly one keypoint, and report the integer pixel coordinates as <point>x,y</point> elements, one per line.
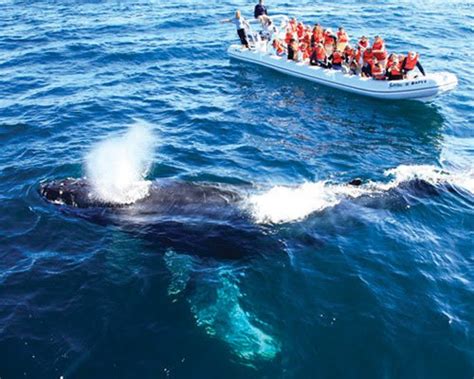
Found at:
<point>369,282</point>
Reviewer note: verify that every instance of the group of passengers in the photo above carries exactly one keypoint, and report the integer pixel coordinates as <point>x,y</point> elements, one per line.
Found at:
<point>321,47</point>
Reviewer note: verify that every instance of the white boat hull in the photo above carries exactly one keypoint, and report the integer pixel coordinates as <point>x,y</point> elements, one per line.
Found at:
<point>421,87</point>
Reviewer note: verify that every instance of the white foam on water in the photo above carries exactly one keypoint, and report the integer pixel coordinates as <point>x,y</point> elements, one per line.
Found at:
<point>117,167</point>
<point>431,174</point>
<point>283,204</point>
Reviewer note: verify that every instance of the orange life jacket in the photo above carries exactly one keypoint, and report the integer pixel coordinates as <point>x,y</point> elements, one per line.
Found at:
<point>320,53</point>
<point>348,53</point>
<point>364,44</point>
<point>395,70</point>
<point>288,37</point>
<point>300,30</point>
<point>389,62</point>
<point>377,71</point>
<point>367,56</point>
<point>342,37</point>
<point>307,39</point>
<point>305,53</point>
<point>328,39</point>
<point>336,57</point>
<point>379,45</point>
<point>410,62</point>
<point>318,36</point>
<point>278,47</point>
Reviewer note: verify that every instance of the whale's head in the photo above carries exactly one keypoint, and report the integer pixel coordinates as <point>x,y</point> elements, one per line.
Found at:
<point>71,192</point>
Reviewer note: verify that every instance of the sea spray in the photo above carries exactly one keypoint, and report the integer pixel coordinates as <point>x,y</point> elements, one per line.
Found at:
<point>117,167</point>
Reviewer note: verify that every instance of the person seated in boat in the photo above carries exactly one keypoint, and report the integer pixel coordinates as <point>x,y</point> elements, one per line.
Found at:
<point>319,56</point>
<point>394,71</point>
<point>317,36</point>
<point>367,58</point>
<point>336,60</point>
<point>410,62</point>
<point>278,48</point>
<point>260,11</point>
<point>309,50</point>
<point>378,49</point>
<point>347,58</point>
<point>300,30</point>
<point>377,69</point>
<point>392,57</point>
<point>303,54</point>
<point>292,50</point>
<point>342,39</point>
<point>354,68</point>
<point>348,54</point>
<point>329,41</point>
<point>358,58</point>
<point>363,43</point>
<point>241,24</point>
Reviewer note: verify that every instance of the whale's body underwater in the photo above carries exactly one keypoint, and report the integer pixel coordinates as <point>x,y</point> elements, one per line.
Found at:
<point>204,219</point>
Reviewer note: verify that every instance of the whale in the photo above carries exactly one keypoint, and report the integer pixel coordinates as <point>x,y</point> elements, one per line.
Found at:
<point>79,193</point>
<point>198,218</point>
<point>211,220</point>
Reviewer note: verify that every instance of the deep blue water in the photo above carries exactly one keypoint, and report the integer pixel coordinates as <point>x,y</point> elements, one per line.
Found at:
<point>379,287</point>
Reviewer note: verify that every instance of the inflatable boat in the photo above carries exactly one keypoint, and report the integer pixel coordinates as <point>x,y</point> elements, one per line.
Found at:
<point>414,87</point>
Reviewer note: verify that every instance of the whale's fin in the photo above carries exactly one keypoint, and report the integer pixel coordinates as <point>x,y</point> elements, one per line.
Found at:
<point>215,299</point>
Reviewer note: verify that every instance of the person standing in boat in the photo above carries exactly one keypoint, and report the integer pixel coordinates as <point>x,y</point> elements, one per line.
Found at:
<point>363,43</point>
<point>378,49</point>
<point>241,24</point>
<point>260,12</point>
<point>329,41</point>
<point>317,36</point>
<point>367,58</point>
<point>342,39</point>
<point>268,29</point>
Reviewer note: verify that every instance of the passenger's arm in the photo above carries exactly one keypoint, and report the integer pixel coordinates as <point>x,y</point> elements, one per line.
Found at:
<point>403,64</point>
<point>420,67</point>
